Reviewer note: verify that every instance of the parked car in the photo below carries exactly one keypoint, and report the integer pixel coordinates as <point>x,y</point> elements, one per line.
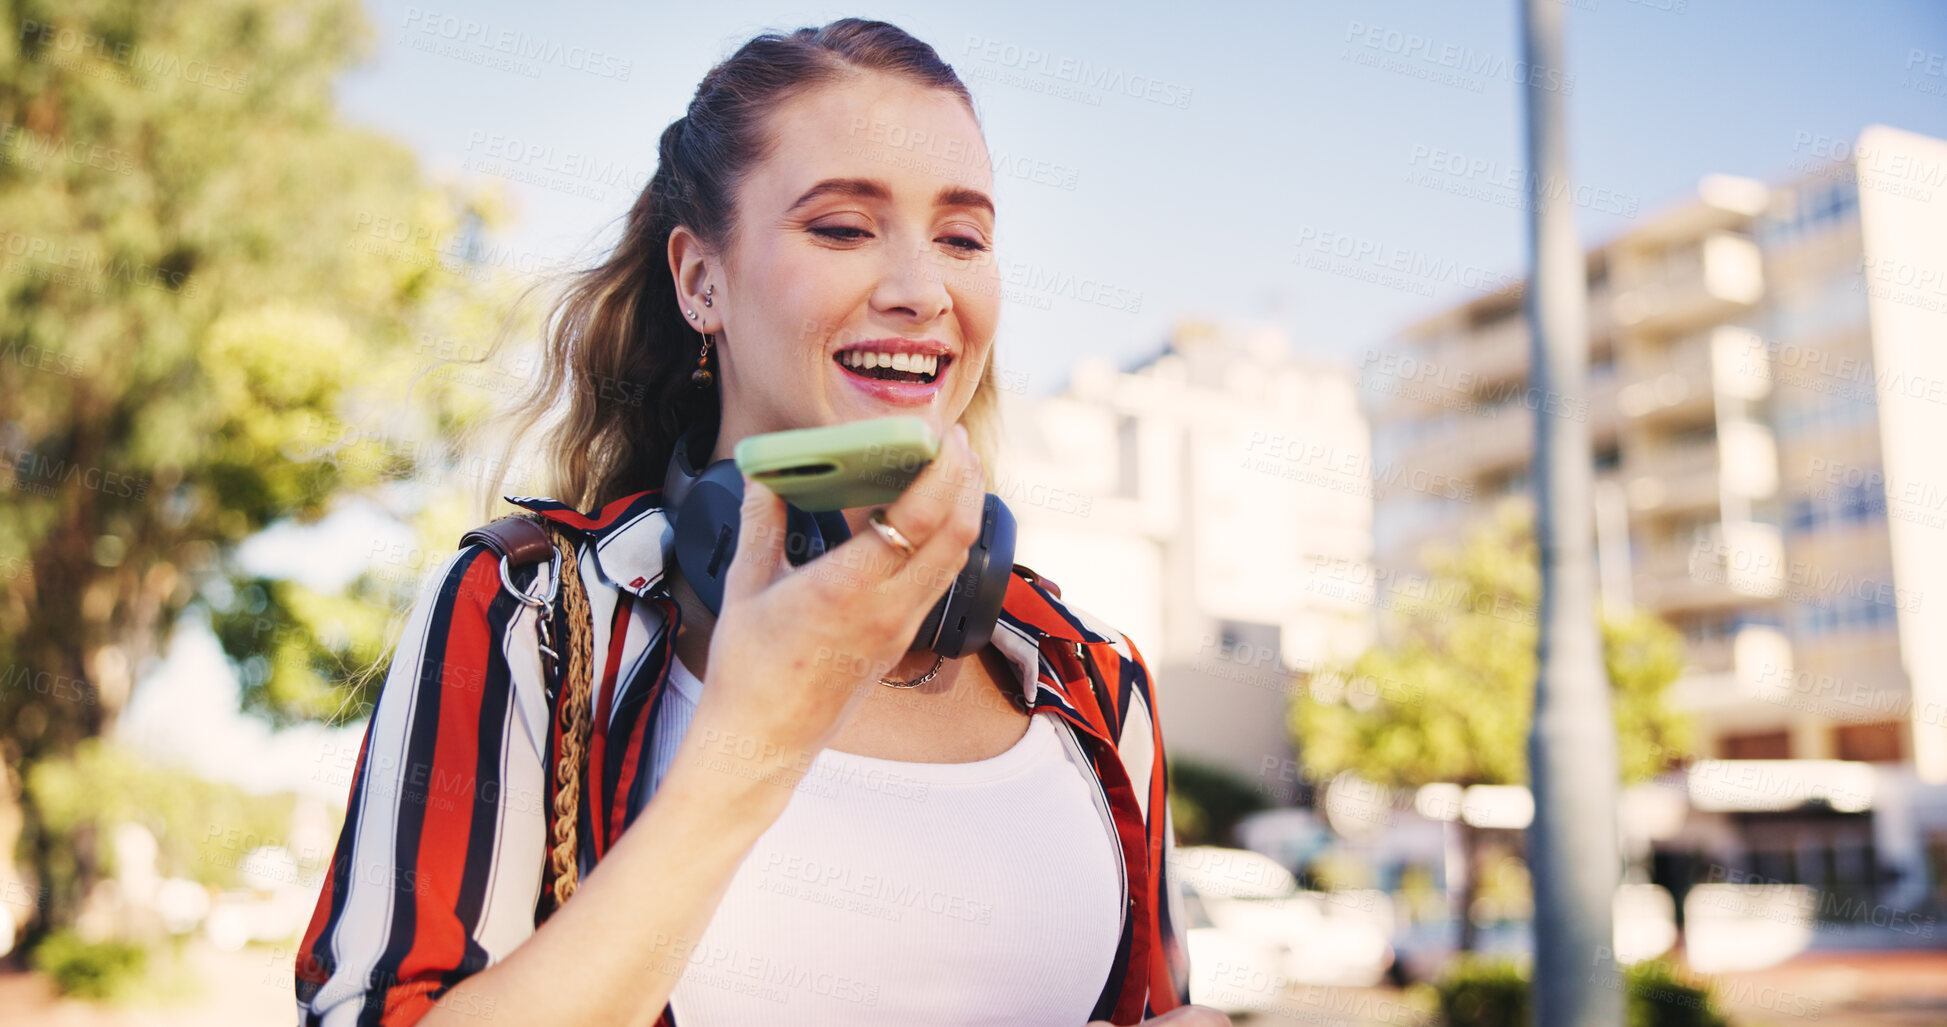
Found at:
<point>1325,938</point>
<point>1232,971</point>
<point>1644,926</point>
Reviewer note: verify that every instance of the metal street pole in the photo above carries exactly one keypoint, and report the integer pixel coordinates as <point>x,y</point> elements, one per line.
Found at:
<point>1572,761</point>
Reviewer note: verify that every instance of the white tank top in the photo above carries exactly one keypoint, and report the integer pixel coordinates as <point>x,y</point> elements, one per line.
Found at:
<point>895,893</point>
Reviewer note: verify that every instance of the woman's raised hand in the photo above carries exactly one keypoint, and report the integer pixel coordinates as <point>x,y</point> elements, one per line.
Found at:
<point>795,648</point>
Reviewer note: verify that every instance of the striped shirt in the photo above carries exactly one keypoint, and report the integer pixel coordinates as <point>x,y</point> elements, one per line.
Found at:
<point>437,872</point>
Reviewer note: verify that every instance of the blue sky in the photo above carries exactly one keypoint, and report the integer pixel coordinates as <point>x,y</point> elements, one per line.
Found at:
<point>1275,131</point>
<point>1292,128</point>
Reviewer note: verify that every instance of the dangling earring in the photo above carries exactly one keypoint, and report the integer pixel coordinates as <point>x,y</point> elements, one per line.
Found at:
<point>701,378</point>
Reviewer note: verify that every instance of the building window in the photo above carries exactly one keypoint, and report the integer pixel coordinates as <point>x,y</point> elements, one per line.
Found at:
<point>1702,433</point>
<point>1843,403</point>
<point>1845,503</point>
<point>1869,743</point>
<point>1844,609</point>
<point>1817,208</point>
<point>1254,645</point>
<point>1937,865</point>
<point>1763,745</point>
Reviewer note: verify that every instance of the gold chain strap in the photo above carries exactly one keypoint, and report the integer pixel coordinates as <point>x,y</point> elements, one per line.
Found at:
<point>574,686</point>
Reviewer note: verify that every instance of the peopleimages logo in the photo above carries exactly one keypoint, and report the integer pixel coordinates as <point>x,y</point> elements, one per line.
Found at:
<point>141,66</point>
<point>1079,72</point>
<point>1462,170</point>
<point>1467,68</point>
<point>516,44</point>
<point>94,266</point>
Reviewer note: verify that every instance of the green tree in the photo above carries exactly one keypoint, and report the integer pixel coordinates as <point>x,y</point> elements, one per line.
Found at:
<point>213,292</point>
<point>1207,801</point>
<point>1448,696</point>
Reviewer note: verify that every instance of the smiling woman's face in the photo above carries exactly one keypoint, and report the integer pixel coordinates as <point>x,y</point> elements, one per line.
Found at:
<point>865,237</point>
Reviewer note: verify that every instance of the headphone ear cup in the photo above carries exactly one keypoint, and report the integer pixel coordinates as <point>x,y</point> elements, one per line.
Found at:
<point>707,524</point>
<point>832,526</point>
<point>963,619</point>
<point>803,541</point>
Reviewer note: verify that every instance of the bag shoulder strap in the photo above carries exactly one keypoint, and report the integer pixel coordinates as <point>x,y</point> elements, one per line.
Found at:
<point>516,537</point>
<point>522,540</point>
<point>1032,575</point>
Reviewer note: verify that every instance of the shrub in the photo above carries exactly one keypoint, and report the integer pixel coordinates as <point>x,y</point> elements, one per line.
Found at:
<point>1661,997</point>
<point>90,969</point>
<point>1479,992</point>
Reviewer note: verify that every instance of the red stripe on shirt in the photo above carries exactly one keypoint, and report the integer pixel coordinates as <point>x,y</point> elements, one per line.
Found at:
<point>618,631</point>
<point>639,725</point>
<point>450,790</point>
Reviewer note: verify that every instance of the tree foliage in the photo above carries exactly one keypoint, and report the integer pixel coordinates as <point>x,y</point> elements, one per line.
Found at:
<point>1450,695</point>
<point>214,292</point>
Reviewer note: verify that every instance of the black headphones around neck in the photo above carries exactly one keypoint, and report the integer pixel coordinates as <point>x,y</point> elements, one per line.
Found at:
<point>707,510</point>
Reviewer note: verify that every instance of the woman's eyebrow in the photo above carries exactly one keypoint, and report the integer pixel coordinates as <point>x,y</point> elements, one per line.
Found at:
<point>872,189</point>
<point>961,196</point>
<point>862,188</point>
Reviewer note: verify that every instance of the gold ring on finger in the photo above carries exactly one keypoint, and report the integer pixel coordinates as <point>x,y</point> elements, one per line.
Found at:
<point>892,535</point>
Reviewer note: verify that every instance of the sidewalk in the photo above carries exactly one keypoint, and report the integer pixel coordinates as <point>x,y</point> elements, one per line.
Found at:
<point>245,989</point>
<point>1853,989</point>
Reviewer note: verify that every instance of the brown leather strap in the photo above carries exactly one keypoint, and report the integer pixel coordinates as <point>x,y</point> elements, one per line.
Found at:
<point>1029,573</point>
<point>515,537</point>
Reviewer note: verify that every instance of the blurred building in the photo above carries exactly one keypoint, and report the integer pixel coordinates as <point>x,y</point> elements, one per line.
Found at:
<point>1768,406</point>
<point>1180,500</point>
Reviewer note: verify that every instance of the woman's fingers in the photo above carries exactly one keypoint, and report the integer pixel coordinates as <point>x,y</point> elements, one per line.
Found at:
<point>940,515</point>
<point>760,543</point>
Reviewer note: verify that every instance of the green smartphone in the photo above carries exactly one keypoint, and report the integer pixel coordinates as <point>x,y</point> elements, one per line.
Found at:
<point>840,466</point>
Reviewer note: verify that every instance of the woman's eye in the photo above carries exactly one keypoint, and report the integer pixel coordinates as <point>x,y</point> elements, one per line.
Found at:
<point>843,232</point>
<point>967,243</point>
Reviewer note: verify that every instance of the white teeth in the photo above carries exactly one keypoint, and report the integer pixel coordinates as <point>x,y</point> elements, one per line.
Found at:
<point>866,360</point>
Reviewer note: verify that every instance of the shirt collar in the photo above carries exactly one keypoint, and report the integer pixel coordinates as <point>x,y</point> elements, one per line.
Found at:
<point>632,539</point>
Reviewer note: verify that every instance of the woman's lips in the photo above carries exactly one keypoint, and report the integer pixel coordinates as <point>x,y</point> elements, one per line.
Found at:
<point>896,393</point>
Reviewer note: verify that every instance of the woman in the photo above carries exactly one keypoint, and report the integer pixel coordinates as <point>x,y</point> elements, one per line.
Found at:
<point>769,834</point>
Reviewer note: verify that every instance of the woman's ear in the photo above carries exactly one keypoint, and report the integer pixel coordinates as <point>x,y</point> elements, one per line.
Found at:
<point>689,269</point>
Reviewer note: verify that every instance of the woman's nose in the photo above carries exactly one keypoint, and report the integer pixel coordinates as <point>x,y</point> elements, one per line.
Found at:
<point>914,284</point>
